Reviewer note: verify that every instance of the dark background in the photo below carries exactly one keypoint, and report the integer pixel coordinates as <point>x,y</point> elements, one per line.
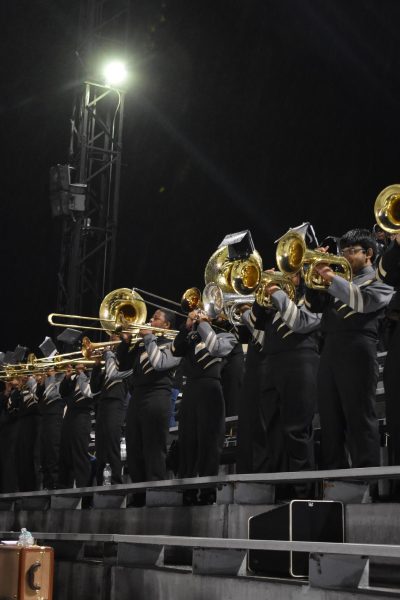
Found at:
<point>255,114</point>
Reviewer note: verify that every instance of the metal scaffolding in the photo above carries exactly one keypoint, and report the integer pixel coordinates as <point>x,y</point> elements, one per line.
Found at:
<point>90,210</point>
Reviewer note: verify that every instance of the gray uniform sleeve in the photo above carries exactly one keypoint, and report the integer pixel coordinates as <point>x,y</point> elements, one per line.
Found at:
<point>52,387</point>
<point>31,385</point>
<point>297,318</point>
<point>217,345</point>
<point>160,357</point>
<point>82,383</point>
<point>111,368</point>
<point>364,298</point>
<point>249,320</point>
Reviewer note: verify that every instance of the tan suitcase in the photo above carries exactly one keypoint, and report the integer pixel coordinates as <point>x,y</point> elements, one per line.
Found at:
<point>26,572</point>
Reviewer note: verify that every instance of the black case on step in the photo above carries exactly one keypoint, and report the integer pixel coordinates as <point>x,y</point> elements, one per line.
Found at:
<point>299,520</point>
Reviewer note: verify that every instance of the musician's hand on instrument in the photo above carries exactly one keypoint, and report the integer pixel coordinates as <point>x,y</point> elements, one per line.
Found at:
<point>242,308</point>
<point>68,371</point>
<point>271,289</point>
<point>126,337</point>
<point>79,368</point>
<point>323,249</point>
<point>324,271</point>
<point>202,316</point>
<point>191,319</point>
<point>397,238</point>
<point>143,332</point>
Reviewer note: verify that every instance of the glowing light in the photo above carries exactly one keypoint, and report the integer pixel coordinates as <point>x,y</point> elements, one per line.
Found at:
<point>115,73</point>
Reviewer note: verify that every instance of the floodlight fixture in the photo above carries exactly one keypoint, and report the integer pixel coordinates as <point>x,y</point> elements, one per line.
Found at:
<point>115,73</point>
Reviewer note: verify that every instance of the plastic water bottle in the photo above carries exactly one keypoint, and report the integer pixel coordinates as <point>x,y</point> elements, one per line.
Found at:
<point>25,538</point>
<point>123,449</point>
<point>107,475</point>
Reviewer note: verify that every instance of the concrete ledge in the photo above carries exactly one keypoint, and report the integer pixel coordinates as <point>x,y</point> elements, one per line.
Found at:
<point>63,502</point>
<point>253,493</point>
<point>219,562</point>
<point>163,498</point>
<point>365,474</point>
<point>335,571</point>
<point>108,501</point>
<point>154,584</point>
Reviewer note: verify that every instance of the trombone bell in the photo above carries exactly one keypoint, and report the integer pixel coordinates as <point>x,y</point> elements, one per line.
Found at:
<point>191,299</point>
<point>122,307</point>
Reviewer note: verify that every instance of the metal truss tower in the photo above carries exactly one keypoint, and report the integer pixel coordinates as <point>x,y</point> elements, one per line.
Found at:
<point>91,180</point>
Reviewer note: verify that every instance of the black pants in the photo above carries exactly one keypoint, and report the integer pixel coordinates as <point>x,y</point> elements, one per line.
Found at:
<point>391,380</point>
<point>109,421</point>
<point>347,382</point>
<point>8,447</point>
<point>25,452</point>
<point>201,428</point>
<point>74,458</point>
<point>50,440</point>
<point>251,452</point>
<point>232,381</point>
<point>146,431</point>
<point>288,404</point>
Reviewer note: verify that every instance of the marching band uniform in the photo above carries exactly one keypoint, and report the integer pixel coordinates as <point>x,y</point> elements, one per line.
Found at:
<point>232,378</point>
<point>8,440</point>
<point>75,431</point>
<point>389,271</point>
<point>202,411</point>
<point>110,384</point>
<point>27,436</point>
<point>348,371</point>
<point>149,409</point>
<point>51,408</point>
<point>250,452</point>
<point>288,336</point>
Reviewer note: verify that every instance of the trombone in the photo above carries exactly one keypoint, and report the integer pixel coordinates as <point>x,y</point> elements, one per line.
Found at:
<point>121,311</point>
<point>14,372</point>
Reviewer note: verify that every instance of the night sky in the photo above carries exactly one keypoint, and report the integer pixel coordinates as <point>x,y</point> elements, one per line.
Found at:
<point>252,114</point>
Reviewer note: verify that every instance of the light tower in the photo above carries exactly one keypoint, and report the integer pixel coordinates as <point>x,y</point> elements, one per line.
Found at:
<point>85,192</point>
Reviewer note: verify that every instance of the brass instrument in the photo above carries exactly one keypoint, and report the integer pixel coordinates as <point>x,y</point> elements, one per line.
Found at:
<point>292,256</point>
<point>122,310</point>
<point>26,370</point>
<point>225,305</point>
<point>387,209</point>
<point>122,307</point>
<point>239,276</point>
<point>191,300</point>
<point>274,278</point>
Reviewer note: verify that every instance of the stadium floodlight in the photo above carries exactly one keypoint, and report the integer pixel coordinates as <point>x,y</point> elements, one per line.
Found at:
<point>115,73</point>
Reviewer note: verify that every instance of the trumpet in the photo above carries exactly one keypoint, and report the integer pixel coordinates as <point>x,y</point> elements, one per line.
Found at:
<point>387,209</point>
<point>292,256</point>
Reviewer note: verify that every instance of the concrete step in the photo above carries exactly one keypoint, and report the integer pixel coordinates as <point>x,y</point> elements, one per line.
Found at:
<point>88,580</point>
<point>364,523</point>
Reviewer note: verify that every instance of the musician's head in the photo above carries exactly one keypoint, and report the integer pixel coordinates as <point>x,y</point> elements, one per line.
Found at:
<point>163,318</point>
<point>359,247</point>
